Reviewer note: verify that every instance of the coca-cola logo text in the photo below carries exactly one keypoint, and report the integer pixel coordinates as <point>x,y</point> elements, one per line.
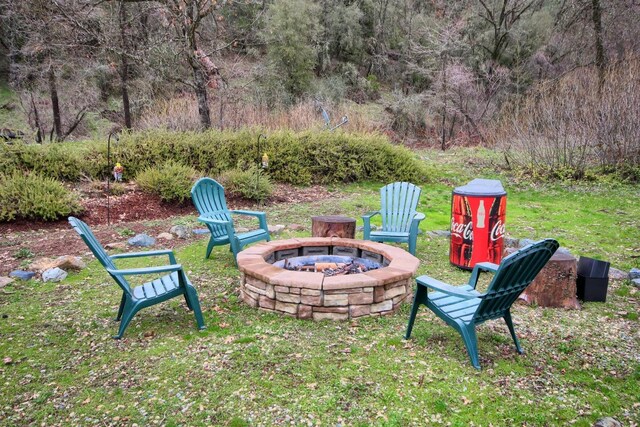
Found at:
<point>461,229</point>
<point>497,231</point>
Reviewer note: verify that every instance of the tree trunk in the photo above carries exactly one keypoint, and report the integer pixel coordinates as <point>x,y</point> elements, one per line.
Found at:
<point>124,72</point>
<point>601,62</point>
<point>333,226</point>
<point>55,104</point>
<point>200,89</point>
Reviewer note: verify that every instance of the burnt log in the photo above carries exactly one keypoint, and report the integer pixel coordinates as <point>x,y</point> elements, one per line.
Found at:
<point>333,226</point>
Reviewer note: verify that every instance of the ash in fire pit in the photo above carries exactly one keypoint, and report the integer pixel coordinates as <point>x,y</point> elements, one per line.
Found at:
<point>330,265</point>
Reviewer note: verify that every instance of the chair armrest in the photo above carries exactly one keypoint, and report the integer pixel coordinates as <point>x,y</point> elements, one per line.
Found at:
<point>432,283</point>
<point>366,219</point>
<point>147,270</point>
<point>369,215</point>
<point>479,268</point>
<point>169,252</point>
<point>262,217</point>
<point>250,213</point>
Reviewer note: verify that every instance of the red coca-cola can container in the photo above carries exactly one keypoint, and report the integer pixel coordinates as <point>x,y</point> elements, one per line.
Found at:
<point>478,212</point>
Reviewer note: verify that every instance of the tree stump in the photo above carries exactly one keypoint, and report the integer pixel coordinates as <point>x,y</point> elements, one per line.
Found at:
<point>333,226</point>
<point>555,285</point>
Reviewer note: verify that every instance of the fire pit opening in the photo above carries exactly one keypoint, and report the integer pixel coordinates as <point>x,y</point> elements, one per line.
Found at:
<point>329,265</point>
<point>326,277</point>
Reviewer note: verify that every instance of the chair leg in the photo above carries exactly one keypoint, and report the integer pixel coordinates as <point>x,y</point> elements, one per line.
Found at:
<point>412,245</point>
<point>209,248</point>
<point>186,299</point>
<point>418,298</point>
<point>122,302</point>
<point>507,319</point>
<point>470,339</point>
<point>191,296</point>
<point>130,310</point>
<point>235,248</point>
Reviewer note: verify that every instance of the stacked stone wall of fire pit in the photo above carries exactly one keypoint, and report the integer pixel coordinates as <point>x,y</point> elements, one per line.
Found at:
<point>311,295</point>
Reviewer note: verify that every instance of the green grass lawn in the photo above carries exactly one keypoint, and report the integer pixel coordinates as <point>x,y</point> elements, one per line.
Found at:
<point>251,368</point>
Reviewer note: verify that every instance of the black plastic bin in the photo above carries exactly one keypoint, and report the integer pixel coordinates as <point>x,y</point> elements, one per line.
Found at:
<point>593,279</point>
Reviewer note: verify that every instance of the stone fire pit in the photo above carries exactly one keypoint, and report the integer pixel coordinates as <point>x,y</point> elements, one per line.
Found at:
<point>311,295</point>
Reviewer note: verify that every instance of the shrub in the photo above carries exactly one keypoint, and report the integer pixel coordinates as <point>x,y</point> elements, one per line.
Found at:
<point>297,158</point>
<point>32,196</point>
<point>249,183</point>
<point>171,181</point>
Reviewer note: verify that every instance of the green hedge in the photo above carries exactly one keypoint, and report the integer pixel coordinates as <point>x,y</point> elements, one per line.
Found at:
<point>32,196</point>
<point>297,158</point>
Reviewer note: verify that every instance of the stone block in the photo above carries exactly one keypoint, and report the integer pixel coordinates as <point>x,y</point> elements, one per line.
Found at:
<point>329,316</point>
<point>287,307</point>
<point>382,306</point>
<point>311,299</point>
<point>361,298</point>
<point>266,303</point>
<point>336,300</point>
<point>255,290</point>
<point>281,289</point>
<point>394,292</point>
<point>255,282</point>
<point>249,300</point>
<point>292,298</point>
<point>305,311</point>
<point>359,310</point>
<point>313,292</point>
<point>378,294</point>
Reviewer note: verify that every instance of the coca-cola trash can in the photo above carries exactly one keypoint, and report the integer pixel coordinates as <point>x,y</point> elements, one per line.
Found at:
<point>477,223</point>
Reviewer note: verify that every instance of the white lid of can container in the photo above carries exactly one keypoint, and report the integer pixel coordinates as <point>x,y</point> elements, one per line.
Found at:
<point>481,187</point>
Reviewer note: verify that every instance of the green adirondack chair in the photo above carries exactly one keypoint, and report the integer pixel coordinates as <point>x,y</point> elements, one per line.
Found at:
<point>462,307</point>
<point>398,203</point>
<point>135,299</point>
<point>208,197</point>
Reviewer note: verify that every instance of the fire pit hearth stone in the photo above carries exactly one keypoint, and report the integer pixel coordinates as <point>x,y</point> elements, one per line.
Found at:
<point>312,295</point>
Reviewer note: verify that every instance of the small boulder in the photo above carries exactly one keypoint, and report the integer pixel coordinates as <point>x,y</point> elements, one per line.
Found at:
<point>67,262</point>
<point>525,242</point>
<point>143,240</point>
<point>165,236</point>
<point>181,231</point>
<point>607,422</point>
<point>296,227</point>
<point>615,274</point>
<point>511,242</point>
<point>201,231</point>
<point>636,283</point>
<point>634,273</point>
<point>22,275</point>
<point>54,275</point>
<point>275,229</point>
<point>41,264</point>
<point>116,245</point>
<point>4,281</point>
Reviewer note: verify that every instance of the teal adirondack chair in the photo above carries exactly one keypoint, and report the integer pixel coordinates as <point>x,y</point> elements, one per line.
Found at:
<point>208,197</point>
<point>462,307</point>
<point>135,299</point>
<point>398,203</point>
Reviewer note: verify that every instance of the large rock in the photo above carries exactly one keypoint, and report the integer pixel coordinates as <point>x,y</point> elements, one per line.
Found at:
<point>54,275</point>
<point>615,274</point>
<point>181,231</point>
<point>165,236</point>
<point>634,273</point>
<point>22,275</point>
<point>636,283</point>
<point>116,245</point>
<point>143,240</point>
<point>555,285</point>
<point>4,281</point>
<point>607,422</point>
<point>275,229</point>
<point>65,262</point>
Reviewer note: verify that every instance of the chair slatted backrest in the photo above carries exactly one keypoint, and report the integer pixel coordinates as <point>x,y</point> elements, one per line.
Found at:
<point>399,202</point>
<point>208,198</point>
<point>515,273</point>
<point>96,248</point>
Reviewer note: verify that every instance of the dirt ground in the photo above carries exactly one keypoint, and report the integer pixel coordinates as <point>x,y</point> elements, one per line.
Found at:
<point>130,211</point>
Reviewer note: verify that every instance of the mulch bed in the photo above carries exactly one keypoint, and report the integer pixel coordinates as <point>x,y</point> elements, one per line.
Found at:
<point>129,211</point>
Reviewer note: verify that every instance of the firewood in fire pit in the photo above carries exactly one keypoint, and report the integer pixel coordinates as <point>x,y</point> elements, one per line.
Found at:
<point>322,266</point>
